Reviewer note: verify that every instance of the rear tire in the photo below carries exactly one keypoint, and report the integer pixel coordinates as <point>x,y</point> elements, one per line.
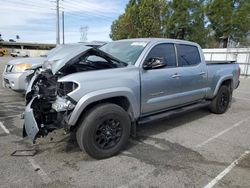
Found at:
<point>220,103</point>
<point>104,130</point>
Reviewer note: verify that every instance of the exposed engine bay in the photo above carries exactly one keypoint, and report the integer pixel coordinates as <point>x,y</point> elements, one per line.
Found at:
<point>47,100</point>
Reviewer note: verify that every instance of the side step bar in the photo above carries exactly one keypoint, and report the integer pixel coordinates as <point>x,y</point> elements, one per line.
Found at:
<point>170,113</point>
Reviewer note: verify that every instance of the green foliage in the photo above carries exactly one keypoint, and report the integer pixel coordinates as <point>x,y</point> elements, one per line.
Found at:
<point>201,21</point>
<point>150,18</point>
<point>141,19</point>
<point>229,18</point>
<point>186,20</point>
<point>128,24</point>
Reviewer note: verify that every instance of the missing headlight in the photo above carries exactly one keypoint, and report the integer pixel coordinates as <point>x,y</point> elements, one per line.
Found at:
<point>66,87</point>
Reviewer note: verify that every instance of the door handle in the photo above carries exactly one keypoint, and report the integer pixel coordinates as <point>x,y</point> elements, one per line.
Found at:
<point>176,75</point>
<point>202,73</point>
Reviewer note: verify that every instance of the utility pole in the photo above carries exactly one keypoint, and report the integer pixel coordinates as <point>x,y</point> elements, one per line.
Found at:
<point>63,26</point>
<point>57,23</point>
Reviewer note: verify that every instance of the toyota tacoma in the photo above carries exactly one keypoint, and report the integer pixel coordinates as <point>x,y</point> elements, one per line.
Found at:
<point>103,94</point>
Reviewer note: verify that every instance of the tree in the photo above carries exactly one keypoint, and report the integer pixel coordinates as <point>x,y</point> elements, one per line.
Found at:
<point>128,24</point>
<point>142,18</point>
<point>201,21</point>
<point>150,12</point>
<point>186,20</point>
<point>229,19</point>
<point>180,19</point>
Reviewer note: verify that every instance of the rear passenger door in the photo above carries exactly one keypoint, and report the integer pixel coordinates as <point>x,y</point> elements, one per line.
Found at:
<point>193,73</point>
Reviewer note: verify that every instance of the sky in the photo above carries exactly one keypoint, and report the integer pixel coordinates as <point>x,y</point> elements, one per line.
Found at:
<point>35,20</point>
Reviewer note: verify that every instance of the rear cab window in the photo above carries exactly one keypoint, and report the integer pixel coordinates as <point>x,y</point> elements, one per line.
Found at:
<point>188,55</point>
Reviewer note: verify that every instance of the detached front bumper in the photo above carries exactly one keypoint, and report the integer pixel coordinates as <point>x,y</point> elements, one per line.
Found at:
<point>30,124</point>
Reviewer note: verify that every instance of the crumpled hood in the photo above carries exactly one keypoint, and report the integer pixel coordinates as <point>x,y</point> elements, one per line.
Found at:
<point>66,59</point>
<point>30,60</point>
<point>61,59</point>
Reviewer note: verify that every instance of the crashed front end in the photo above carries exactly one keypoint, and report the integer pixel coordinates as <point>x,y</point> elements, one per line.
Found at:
<point>48,107</point>
<point>48,102</point>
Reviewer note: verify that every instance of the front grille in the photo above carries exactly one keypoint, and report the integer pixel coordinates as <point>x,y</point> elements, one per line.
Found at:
<point>9,68</point>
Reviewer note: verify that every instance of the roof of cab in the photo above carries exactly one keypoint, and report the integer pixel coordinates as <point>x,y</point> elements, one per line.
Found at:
<point>156,40</point>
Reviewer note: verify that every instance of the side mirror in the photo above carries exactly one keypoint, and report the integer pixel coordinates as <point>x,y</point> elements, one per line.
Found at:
<point>154,63</point>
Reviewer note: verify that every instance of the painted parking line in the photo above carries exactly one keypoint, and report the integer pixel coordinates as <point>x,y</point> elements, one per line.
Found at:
<point>4,128</point>
<point>36,167</point>
<point>242,98</point>
<point>39,170</point>
<point>12,116</point>
<point>243,92</point>
<point>226,171</point>
<point>222,132</point>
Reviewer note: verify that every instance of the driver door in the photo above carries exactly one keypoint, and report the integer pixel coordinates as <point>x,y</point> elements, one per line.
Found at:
<point>160,88</point>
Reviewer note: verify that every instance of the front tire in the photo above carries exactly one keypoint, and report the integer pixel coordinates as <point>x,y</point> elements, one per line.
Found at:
<point>104,130</point>
<point>220,103</point>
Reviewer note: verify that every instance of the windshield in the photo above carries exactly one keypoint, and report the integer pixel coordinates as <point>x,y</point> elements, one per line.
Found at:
<point>126,51</point>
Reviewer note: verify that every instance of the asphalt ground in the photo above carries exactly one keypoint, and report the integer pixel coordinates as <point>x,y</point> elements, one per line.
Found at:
<point>197,149</point>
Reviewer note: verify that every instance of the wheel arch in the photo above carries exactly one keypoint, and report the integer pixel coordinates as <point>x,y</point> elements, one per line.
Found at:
<point>122,98</point>
<point>226,80</point>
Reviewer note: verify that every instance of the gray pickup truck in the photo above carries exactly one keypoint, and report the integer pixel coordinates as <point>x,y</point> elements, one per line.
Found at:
<point>103,94</point>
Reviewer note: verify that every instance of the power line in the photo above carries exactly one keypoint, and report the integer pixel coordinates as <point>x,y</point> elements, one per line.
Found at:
<point>83,14</point>
<point>85,7</point>
<point>78,8</point>
<point>69,9</point>
<point>27,5</point>
<point>79,16</point>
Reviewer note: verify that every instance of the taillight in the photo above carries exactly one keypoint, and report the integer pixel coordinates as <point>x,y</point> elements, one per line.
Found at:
<point>66,87</point>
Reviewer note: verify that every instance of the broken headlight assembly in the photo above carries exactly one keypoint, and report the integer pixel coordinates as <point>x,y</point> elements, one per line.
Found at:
<point>64,102</point>
<point>63,88</point>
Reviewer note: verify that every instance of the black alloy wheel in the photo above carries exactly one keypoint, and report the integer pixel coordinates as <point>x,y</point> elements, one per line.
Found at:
<point>221,101</point>
<point>103,130</point>
<point>108,133</point>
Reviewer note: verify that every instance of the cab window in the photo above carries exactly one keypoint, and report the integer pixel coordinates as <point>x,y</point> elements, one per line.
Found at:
<point>188,55</point>
<point>165,51</point>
